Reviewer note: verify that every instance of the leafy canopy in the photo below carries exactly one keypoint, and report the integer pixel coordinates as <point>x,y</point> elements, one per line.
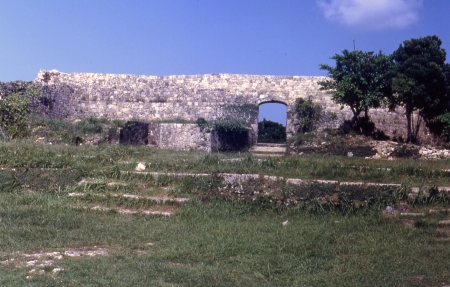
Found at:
<point>419,79</point>
<point>14,110</point>
<point>358,80</point>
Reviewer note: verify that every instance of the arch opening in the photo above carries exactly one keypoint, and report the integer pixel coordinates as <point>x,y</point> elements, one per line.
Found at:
<point>272,118</point>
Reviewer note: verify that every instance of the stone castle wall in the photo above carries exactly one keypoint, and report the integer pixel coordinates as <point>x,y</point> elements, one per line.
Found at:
<point>217,96</point>
<point>178,136</point>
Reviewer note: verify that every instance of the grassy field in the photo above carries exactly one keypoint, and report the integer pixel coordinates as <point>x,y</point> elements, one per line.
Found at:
<point>57,229</point>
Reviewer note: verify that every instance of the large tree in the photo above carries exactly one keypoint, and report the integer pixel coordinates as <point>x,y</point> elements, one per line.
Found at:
<point>358,80</point>
<point>419,80</point>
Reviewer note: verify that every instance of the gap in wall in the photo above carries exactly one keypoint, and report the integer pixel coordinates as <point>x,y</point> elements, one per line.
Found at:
<point>274,112</point>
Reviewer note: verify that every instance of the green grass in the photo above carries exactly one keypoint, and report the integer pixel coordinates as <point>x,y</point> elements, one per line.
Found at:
<point>209,241</point>
<point>220,243</point>
<point>309,167</point>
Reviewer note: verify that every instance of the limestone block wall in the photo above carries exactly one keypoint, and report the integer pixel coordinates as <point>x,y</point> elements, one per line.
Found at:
<point>216,96</point>
<point>179,136</point>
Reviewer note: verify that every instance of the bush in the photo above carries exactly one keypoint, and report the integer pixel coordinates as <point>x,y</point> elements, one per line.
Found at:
<point>14,111</point>
<point>443,128</point>
<point>308,113</point>
<point>232,135</point>
<point>271,132</point>
<point>134,133</point>
<point>66,131</point>
<point>202,123</point>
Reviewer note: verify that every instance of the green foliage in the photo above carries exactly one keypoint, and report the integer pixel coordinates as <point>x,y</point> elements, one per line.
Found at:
<point>202,123</point>
<point>134,133</point>
<point>232,135</point>
<point>14,111</point>
<point>308,113</point>
<point>271,132</point>
<point>359,80</point>
<point>69,132</point>
<point>419,80</point>
<point>444,121</point>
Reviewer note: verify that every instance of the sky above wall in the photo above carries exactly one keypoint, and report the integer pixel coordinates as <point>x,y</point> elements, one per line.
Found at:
<point>173,37</point>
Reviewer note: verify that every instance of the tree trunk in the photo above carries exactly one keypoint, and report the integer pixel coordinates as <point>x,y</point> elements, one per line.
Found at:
<point>355,116</point>
<point>417,126</point>
<point>408,125</point>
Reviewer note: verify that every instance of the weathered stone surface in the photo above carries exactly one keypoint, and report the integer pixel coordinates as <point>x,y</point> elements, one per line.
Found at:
<point>180,137</point>
<point>217,96</point>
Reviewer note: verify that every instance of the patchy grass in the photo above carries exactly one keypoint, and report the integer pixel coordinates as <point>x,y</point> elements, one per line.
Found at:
<point>219,243</point>
<point>208,241</point>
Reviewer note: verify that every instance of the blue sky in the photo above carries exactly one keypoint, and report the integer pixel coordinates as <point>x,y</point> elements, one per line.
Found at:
<point>173,37</point>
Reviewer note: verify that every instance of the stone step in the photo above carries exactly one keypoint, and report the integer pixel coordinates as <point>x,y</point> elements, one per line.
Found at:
<point>412,214</point>
<point>443,230</point>
<point>444,210</point>
<point>86,181</point>
<point>443,239</point>
<point>268,154</point>
<point>271,145</point>
<point>445,222</point>
<point>124,211</point>
<point>268,149</point>
<point>156,199</point>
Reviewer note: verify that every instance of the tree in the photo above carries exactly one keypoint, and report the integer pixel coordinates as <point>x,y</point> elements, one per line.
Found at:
<point>359,80</point>
<point>419,80</point>
<point>271,132</point>
<point>447,76</point>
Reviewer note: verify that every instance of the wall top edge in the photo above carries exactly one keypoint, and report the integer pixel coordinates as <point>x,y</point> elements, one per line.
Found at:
<point>41,72</point>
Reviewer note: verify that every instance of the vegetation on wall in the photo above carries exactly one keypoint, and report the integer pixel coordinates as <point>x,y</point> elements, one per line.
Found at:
<point>14,110</point>
<point>271,132</point>
<point>307,113</point>
<point>134,133</point>
<point>202,123</point>
<point>74,132</point>
<point>231,134</point>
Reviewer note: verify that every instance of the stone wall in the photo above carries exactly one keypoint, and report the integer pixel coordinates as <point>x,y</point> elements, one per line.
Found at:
<point>217,96</point>
<point>179,136</point>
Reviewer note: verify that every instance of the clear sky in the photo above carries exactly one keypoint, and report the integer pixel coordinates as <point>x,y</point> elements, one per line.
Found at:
<point>173,37</point>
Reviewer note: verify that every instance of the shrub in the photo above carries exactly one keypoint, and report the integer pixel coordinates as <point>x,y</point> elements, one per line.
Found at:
<point>14,111</point>
<point>443,127</point>
<point>307,113</point>
<point>202,123</point>
<point>232,135</point>
<point>134,133</point>
<point>271,132</point>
